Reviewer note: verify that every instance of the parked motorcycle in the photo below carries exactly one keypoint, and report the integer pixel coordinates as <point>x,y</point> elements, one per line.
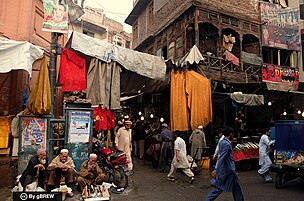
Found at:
<point>114,164</point>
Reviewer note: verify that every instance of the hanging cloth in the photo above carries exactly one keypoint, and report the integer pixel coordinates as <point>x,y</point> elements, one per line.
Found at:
<point>179,114</point>
<point>39,101</point>
<point>72,71</point>
<point>104,84</point>
<point>199,99</point>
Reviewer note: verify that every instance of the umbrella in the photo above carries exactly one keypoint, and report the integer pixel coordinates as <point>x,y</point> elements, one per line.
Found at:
<point>39,101</point>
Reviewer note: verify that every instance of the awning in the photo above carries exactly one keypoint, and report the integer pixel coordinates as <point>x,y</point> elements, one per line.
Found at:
<point>247,99</point>
<point>18,55</point>
<point>192,56</point>
<point>143,64</point>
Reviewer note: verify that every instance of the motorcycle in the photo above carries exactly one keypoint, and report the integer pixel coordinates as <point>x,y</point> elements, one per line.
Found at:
<point>114,164</point>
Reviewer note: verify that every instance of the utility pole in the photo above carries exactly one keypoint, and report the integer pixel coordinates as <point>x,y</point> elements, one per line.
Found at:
<point>52,70</point>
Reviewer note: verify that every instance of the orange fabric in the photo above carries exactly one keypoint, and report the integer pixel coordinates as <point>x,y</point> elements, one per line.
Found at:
<point>178,102</point>
<point>39,101</point>
<point>199,99</point>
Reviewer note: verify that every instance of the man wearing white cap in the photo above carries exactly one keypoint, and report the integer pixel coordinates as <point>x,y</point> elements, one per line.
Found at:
<point>198,141</point>
<point>61,166</point>
<point>90,173</point>
<point>123,142</point>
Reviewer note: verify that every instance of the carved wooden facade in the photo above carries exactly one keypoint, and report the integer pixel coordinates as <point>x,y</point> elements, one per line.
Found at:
<point>179,25</point>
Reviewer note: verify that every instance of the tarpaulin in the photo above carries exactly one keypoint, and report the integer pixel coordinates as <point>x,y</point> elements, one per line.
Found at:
<point>18,55</point>
<point>143,64</point>
<point>250,58</point>
<point>247,99</point>
<point>104,84</point>
<point>39,101</point>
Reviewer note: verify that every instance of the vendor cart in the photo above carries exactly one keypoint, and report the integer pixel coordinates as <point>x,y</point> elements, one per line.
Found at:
<point>289,151</point>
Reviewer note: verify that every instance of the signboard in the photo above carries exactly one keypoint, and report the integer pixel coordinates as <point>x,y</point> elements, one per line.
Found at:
<point>79,126</point>
<point>281,74</point>
<point>280,27</point>
<point>33,132</point>
<point>55,16</point>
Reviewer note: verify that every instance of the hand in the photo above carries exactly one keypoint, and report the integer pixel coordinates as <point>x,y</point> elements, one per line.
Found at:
<point>177,159</point>
<point>39,166</point>
<point>213,174</point>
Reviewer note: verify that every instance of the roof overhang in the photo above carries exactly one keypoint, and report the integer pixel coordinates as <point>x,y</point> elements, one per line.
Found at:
<point>89,25</point>
<point>137,10</point>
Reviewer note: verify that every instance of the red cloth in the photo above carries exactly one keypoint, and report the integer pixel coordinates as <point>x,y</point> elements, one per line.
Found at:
<point>104,119</point>
<point>243,155</point>
<point>72,71</point>
<point>230,57</point>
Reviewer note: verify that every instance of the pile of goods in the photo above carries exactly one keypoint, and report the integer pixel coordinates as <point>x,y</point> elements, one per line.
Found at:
<point>246,146</point>
<point>94,193</point>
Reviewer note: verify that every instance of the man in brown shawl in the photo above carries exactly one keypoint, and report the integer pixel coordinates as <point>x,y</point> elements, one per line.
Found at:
<point>61,170</point>
<point>90,173</point>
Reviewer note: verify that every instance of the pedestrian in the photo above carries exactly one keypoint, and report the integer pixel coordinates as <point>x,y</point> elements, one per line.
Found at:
<point>221,137</point>
<point>90,173</point>
<point>36,165</point>
<point>123,142</point>
<point>198,141</point>
<point>139,138</point>
<point>264,160</point>
<point>224,175</point>
<point>166,151</point>
<point>180,159</point>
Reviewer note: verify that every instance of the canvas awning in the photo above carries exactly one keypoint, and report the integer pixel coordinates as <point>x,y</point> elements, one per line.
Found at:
<point>18,55</point>
<point>141,63</point>
<point>247,99</point>
<point>192,56</point>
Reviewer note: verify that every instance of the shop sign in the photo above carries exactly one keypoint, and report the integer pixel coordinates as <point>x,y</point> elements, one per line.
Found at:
<point>280,27</point>
<point>79,127</point>
<point>280,74</point>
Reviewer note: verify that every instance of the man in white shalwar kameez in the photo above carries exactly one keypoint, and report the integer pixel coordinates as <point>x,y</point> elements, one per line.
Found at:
<point>180,159</point>
<point>264,160</point>
<point>123,142</point>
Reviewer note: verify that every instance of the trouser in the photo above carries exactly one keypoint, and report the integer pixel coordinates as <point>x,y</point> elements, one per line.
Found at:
<point>129,159</point>
<point>56,175</point>
<point>28,179</point>
<point>141,148</point>
<point>82,182</point>
<point>166,154</point>
<point>173,169</point>
<point>236,192</point>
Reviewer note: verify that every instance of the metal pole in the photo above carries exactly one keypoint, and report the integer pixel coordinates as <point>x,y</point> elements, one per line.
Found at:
<point>52,70</point>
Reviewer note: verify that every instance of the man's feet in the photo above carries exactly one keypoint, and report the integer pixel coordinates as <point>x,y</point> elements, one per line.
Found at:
<point>131,172</point>
<point>191,180</point>
<point>261,175</point>
<point>170,179</point>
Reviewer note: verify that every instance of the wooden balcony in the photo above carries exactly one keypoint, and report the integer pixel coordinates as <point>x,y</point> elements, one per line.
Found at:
<point>217,68</point>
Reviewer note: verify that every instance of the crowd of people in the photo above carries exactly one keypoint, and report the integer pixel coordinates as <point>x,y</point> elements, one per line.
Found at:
<point>173,156</point>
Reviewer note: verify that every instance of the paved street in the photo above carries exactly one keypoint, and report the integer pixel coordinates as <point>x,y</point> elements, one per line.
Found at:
<point>149,184</point>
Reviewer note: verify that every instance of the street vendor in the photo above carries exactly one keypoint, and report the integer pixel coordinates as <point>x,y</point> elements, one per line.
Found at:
<point>62,166</point>
<point>90,173</point>
<point>36,165</point>
<point>264,161</point>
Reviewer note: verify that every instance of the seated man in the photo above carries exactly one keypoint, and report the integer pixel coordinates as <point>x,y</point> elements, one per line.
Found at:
<point>37,162</point>
<point>61,167</point>
<point>90,173</point>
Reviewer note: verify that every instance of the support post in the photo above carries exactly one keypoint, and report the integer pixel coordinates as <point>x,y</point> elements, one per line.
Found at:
<point>52,69</point>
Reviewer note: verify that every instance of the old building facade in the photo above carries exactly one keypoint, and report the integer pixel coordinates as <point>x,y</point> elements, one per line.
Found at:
<point>171,27</point>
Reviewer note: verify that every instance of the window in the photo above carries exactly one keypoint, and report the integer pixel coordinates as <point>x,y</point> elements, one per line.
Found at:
<point>128,44</point>
<point>150,14</point>
<point>88,33</point>
<point>135,33</point>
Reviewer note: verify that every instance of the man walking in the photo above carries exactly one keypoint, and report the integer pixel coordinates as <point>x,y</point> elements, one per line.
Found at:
<point>166,151</point>
<point>264,160</point>
<point>180,159</point>
<point>224,175</point>
<point>123,142</point>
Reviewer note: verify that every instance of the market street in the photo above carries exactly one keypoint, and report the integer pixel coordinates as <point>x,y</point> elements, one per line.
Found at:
<point>148,184</point>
